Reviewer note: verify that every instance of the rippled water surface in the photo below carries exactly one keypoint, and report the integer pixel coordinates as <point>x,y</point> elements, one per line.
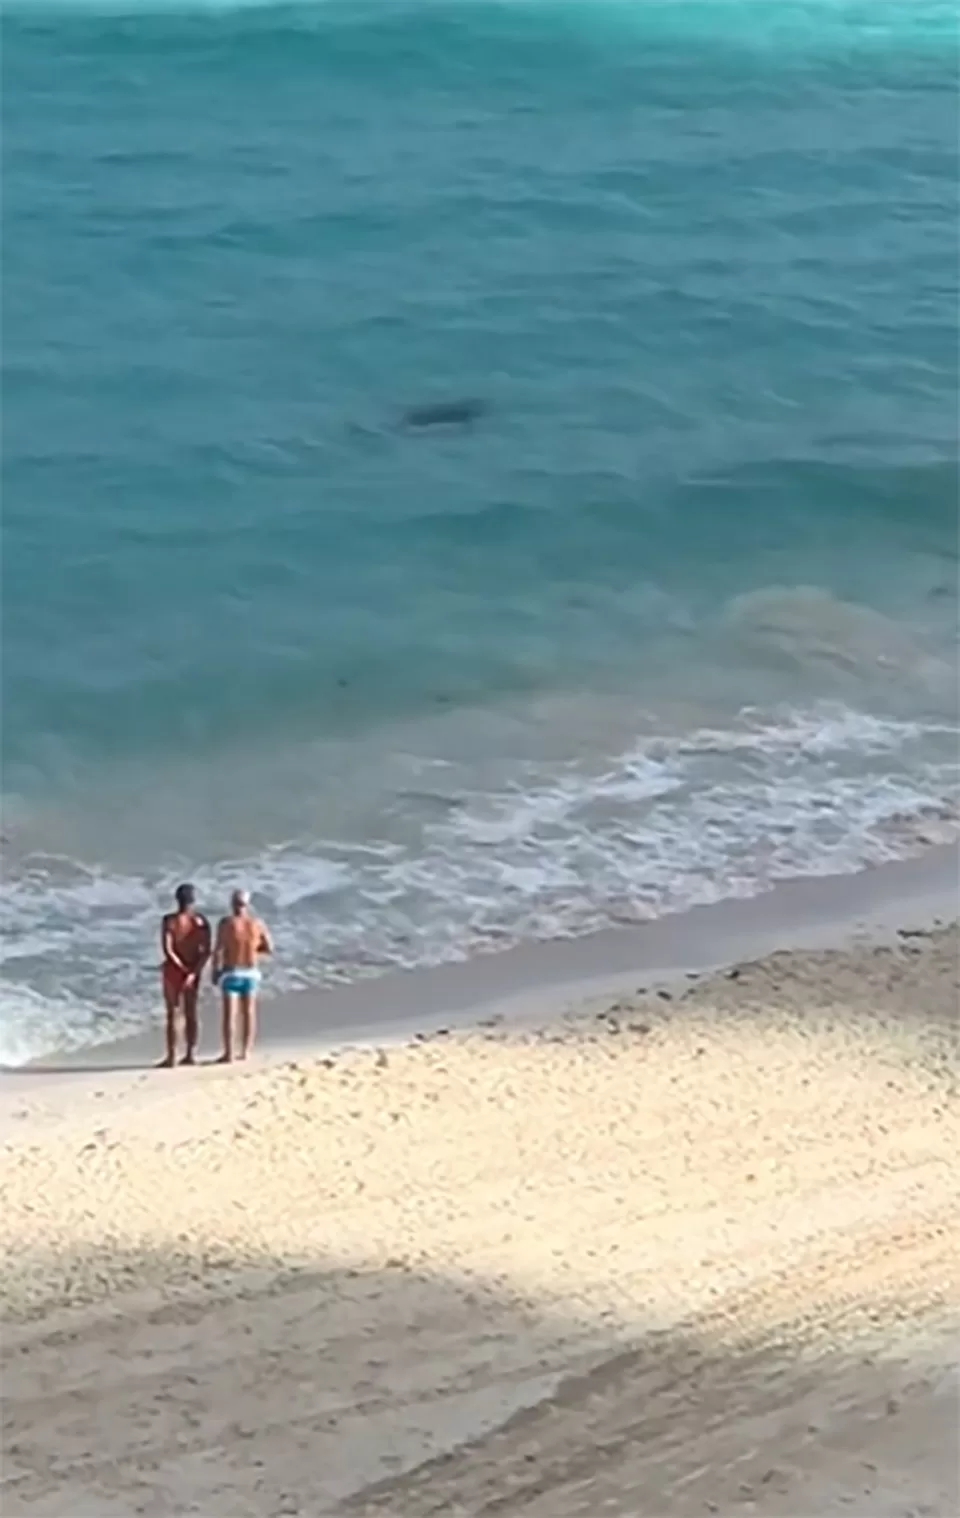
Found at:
<point>672,618</point>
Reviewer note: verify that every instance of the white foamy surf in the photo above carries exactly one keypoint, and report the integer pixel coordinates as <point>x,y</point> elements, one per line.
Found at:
<point>677,820</point>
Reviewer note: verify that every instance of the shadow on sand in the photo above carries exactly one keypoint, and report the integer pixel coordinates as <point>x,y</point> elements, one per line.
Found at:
<point>121,1067</point>
<point>226,1385</point>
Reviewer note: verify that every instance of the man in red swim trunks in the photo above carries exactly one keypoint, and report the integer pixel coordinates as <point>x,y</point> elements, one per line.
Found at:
<point>185,935</point>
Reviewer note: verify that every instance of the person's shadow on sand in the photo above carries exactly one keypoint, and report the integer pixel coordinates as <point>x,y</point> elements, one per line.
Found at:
<point>128,1067</point>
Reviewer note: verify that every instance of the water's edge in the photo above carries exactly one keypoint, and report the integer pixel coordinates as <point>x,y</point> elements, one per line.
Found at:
<point>542,981</point>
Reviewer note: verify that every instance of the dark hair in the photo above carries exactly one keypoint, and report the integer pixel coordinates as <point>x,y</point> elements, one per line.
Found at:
<point>185,896</point>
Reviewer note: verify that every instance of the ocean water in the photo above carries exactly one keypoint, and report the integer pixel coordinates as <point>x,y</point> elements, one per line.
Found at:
<point>673,618</point>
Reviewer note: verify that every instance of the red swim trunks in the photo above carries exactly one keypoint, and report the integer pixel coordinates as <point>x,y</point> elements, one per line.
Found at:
<point>175,980</point>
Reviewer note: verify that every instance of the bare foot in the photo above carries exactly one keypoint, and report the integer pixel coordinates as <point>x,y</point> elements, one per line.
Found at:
<point>225,1059</point>
<point>165,1064</point>
<point>189,1058</point>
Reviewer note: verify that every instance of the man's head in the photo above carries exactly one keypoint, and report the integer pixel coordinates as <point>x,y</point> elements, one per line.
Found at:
<point>240,902</point>
<point>185,896</point>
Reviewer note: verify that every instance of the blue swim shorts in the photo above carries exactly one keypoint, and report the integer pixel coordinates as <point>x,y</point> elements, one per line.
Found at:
<point>240,982</point>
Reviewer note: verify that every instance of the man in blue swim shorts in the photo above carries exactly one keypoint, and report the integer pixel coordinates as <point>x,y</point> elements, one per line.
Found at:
<point>241,939</point>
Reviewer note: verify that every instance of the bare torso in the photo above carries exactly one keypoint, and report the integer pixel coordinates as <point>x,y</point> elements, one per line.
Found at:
<point>240,942</point>
<point>187,935</point>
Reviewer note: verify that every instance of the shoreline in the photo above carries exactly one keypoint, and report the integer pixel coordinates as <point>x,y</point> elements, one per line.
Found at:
<point>527,983</point>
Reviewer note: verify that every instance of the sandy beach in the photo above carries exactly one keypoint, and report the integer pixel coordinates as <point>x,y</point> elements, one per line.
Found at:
<point>689,1250</point>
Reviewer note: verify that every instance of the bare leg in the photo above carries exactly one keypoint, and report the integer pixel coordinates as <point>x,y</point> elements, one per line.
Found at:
<point>226,1028</point>
<point>248,1022</point>
<point>191,1024</point>
<point>172,1005</point>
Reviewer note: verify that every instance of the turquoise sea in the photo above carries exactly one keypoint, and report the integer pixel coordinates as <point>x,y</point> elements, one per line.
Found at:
<point>674,617</point>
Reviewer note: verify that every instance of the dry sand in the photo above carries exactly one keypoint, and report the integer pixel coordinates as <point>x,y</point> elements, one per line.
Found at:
<point>693,1254</point>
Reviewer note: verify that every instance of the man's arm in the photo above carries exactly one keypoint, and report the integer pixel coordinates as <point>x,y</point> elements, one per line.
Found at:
<point>218,953</point>
<point>204,947</point>
<point>266,942</point>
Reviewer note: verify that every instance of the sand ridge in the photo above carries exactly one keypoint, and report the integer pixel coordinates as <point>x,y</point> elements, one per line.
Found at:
<point>630,1263</point>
